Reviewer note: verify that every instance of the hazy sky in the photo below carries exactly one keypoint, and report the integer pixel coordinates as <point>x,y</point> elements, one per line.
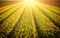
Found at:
<point>8,0</point>
<point>40,0</point>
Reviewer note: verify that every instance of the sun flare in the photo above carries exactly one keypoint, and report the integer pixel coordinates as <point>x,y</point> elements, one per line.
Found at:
<point>29,1</point>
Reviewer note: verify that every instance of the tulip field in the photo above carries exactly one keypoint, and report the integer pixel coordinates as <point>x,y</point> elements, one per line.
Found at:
<point>29,20</point>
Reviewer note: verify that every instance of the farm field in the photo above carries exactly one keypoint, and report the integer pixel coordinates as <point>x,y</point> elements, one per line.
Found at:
<point>29,19</point>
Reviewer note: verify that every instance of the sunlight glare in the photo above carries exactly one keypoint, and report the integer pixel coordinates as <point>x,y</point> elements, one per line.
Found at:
<point>29,1</point>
